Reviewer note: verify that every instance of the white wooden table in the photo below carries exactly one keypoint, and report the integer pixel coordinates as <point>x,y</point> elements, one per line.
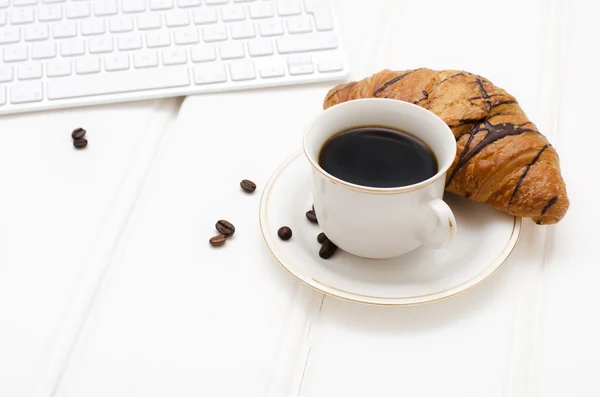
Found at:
<point>108,286</point>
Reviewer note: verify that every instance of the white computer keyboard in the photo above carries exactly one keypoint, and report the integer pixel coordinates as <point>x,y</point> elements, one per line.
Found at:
<point>63,53</point>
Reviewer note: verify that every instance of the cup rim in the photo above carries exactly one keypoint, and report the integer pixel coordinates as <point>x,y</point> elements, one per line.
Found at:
<point>378,190</point>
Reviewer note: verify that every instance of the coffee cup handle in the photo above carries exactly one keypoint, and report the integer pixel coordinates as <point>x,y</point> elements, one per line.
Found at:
<point>445,229</point>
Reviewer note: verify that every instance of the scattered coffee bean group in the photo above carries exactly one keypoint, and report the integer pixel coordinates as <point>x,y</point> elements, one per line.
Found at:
<point>248,186</point>
<point>78,138</point>
<point>226,229</point>
<point>285,233</point>
<point>327,247</point>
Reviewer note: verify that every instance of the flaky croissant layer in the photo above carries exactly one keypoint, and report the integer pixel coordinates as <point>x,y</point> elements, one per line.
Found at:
<point>502,159</point>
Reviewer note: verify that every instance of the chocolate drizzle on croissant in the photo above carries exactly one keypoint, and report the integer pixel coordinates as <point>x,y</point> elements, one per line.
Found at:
<point>494,133</point>
<point>391,82</point>
<point>551,202</point>
<point>502,159</point>
<point>341,89</point>
<point>535,159</point>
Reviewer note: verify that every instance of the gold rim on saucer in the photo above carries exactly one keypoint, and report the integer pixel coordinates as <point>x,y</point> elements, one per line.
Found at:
<point>271,242</point>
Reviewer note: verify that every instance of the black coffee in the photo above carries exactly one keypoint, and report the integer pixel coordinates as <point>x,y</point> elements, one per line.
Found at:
<point>378,157</point>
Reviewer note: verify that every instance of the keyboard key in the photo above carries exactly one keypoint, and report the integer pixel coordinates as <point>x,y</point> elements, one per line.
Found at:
<point>271,28</point>
<point>272,72</point>
<point>242,70</point>
<point>203,16</point>
<point>116,62</point>
<point>133,5</point>
<point>149,21</point>
<point>260,47</point>
<point>22,16</point>
<point>15,53</point>
<point>303,59</point>
<point>301,24</point>
<point>186,36</point>
<point>330,65</point>
<point>58,68</point>
<point>313,6</point>
<point>3,18</point>
<point>78,10</point>
<point>214,33</point>
<point>261,10</point>
<point>188,3</point>
<point>308,42</point>
<point>157,39</point>
<point>210,74</point>
<point>323,19</point>
<point>2,95</point>
<point>43,50</point>
<point>216,2</point>
<point>301,69</point>
<point>203,53</point>
<point>30,71</point>
<point>50,13</point>
<point>300,64</point>
<point>145,59</point>
<point>119,25</point>
<point>105,7</point>
<point>72,47</point>
<point>233,13</point>
<point>64,29</point>
<point>26,92</point>
<point>6,74</point>
<point>4,3</point>
<point>232,50</point>
<point>174,56</point>
<point>88,65</point>
<point>129,41</point>
<point>100,45</point>
<point>242,30</point>
<point>10,35</point>
<point>92,27</point>
<point>177,18</point>
<point>36,32</point>
<point>161,4</point>
<point>288,7</point>
<point>117,82</point>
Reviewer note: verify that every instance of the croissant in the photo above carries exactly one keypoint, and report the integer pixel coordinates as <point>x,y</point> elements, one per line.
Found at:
<point>502,159</point>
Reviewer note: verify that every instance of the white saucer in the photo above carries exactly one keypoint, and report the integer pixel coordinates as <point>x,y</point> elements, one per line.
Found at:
<point>485,239</point>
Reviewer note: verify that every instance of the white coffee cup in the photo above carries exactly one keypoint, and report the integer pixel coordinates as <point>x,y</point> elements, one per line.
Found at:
<point>382,222</point>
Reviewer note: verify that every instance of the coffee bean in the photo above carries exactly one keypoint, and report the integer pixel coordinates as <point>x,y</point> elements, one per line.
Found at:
<point>78,133</point>
<point>327,249</point>
<point>248,186</point>
<point>225,228</point>
<point>80,143</point>
<point>321,238</point>
<point>285,233</point>
<point>312,216</point>
<point>218,241</point>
